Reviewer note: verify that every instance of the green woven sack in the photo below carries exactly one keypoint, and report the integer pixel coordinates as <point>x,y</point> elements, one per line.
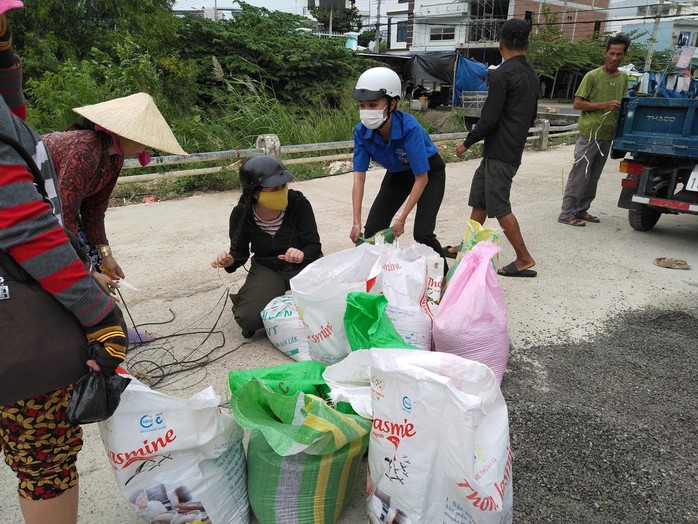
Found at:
<point>303,456</point>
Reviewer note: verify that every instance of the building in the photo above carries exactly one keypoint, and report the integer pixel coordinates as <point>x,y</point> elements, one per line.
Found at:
<point>642,13</point>
<point>473,26</point>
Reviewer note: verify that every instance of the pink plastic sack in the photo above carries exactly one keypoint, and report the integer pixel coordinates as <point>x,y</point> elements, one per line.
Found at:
<point>471,320</point>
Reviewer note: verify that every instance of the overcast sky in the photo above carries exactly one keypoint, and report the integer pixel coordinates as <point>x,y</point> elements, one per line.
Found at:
<point>288,6</point>
<point>279,5</point>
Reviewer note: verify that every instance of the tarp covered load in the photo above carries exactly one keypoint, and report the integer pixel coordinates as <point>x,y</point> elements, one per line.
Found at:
<point>470,75</point>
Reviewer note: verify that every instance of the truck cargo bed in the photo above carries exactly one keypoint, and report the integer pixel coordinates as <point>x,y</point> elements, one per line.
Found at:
<point>657,126</point>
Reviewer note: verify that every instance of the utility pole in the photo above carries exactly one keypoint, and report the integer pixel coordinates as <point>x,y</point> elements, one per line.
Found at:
<point>376,47</point>
<point>215,10</point>
<point>655,28</point>
<point>331,11</point>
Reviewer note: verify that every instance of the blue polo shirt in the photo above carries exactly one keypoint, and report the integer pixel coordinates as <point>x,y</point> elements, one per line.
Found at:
<point>409,147</point>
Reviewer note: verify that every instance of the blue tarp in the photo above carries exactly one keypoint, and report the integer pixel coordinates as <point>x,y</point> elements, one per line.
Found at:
<point>470,76</point>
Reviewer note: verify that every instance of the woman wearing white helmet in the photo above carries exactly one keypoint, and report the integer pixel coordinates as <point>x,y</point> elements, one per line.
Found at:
<point>415,173</point>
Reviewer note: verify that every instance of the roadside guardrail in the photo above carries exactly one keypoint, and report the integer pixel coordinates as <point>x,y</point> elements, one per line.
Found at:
<point>539,135</point>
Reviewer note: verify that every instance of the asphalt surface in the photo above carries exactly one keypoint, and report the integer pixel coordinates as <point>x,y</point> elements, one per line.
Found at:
<point>611,437</point>
<point>600,389</point>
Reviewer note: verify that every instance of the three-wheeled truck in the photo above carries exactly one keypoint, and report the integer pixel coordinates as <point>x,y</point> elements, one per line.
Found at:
<point>661,136</point>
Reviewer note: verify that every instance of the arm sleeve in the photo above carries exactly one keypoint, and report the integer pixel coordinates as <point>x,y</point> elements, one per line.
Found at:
<point>11,90</point>
<point>586,87</point>
<point>491,111</point>
<point>362,158</point>
<point>416,150</point>
<point>308,233</point>
<point>32,236</point>
<point>92,210</point>
<point>73,180</point>
<point>241,250</point>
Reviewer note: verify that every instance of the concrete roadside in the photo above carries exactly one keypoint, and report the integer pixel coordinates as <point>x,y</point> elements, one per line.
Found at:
<point>585,275</point>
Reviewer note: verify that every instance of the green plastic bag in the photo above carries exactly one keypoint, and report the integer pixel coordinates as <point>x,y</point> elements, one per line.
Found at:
<point>303,457</point>
<point>289,379</point>
<point>387,235</point>
<point>368,325</point>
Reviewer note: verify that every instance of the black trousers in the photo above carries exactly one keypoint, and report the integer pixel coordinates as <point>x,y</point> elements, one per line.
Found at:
<point>394,191</point>
<point>261,286</point>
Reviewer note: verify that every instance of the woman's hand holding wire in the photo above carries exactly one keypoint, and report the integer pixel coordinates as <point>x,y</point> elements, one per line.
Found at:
<point>107,283</point>
<point>293,256</point>
<point>222,260</point>
<point>113,268</point>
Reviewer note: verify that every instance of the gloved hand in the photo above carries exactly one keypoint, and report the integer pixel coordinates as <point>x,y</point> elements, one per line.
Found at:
<point>112,341</point>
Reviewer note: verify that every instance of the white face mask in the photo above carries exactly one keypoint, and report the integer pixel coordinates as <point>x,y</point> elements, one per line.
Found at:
<point>372,118</point>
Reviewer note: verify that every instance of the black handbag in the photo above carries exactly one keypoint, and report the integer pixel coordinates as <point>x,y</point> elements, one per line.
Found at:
<point>43,345</point>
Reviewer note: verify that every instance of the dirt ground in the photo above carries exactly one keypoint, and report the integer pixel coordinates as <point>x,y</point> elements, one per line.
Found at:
<point>586,276</point>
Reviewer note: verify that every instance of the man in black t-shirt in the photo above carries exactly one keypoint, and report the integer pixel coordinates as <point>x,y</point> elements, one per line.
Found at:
<point>509,111</point>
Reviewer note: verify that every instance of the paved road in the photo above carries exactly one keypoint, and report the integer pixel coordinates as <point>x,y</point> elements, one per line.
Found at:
<point>586,276</point>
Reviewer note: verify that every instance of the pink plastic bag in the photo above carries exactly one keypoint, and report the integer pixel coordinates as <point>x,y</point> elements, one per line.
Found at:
<point>471,320</point>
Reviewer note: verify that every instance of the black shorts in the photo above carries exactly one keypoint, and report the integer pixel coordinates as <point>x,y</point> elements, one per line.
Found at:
<point>491,187</point>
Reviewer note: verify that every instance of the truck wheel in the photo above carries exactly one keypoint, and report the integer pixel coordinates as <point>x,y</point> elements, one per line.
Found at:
<point>643,219</point>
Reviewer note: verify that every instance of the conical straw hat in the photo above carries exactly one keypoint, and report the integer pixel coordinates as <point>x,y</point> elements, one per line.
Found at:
<point>135,117</point>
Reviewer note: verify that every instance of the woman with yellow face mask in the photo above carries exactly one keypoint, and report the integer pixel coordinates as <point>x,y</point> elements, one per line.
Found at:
<point>277,225</point>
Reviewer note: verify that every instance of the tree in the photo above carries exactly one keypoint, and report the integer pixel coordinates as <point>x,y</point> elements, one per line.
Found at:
<point>48,32</point>
<point>266,46</point>
<point>343,20</point>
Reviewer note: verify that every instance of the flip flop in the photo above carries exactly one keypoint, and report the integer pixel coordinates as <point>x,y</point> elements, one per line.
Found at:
<point>590,218</point>
<point>448,253</point>
<point>576,222</point>
<point>140,335</point>
<point>510,270</point>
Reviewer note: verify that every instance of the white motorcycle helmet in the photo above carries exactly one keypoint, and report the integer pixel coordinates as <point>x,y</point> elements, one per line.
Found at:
<point>376,83</point>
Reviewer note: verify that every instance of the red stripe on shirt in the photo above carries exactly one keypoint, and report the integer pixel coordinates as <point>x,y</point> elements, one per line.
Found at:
<point>11,216</point>
<point>99,317</point>
<point>63,278</point>
<point>39,244</point>
<point>15,173</point>
<point>20,111</point>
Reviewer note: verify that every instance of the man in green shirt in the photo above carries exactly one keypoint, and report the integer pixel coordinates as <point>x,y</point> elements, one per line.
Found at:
<point>598,99</point>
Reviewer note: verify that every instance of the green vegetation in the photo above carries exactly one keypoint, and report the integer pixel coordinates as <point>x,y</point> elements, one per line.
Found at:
<point>550,51</point>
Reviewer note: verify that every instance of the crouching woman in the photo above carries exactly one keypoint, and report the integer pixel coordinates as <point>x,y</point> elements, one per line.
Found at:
<point>277,225</point>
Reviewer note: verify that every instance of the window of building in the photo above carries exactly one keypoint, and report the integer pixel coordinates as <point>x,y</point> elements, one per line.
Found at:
<point>684,38</point>
<point>442,33</point>
<point>654,10</point>
<point>401,33</point>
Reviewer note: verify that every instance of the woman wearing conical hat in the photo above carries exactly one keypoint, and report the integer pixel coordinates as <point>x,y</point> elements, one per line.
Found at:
<point>88,160</point>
